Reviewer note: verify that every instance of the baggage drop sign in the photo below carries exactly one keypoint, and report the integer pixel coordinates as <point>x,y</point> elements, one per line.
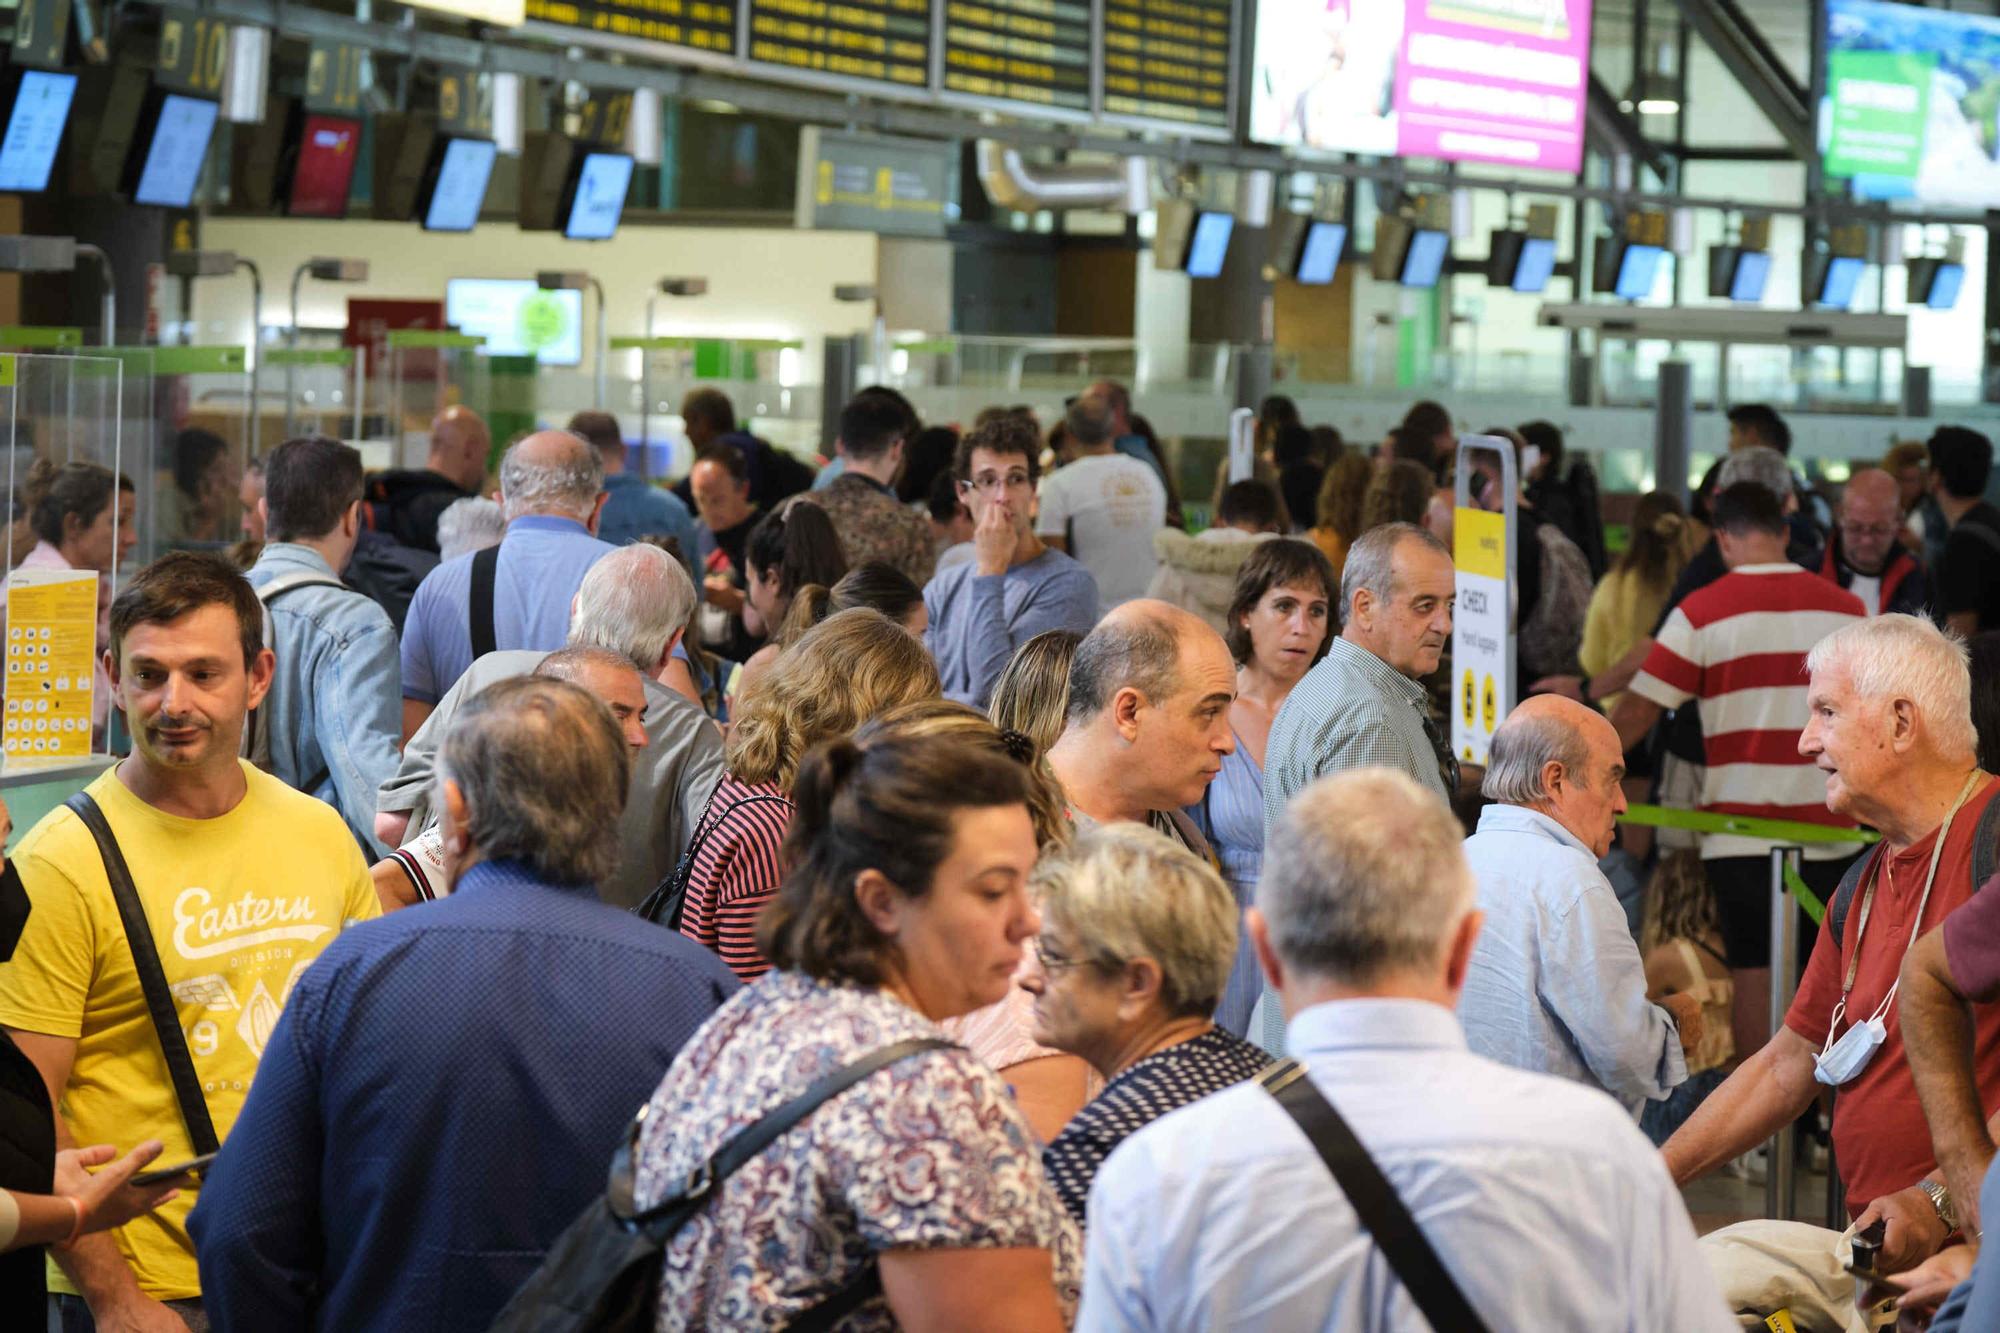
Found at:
<point>1482,627</point>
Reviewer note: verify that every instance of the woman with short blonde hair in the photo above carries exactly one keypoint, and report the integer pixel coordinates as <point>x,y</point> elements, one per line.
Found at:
<point>1138,937</point>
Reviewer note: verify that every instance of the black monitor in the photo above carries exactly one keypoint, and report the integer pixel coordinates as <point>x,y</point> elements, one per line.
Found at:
<point>1521,262</point>
<point>595,198</point>
<point>1935,283</point>
<point>1738,274</point>
<point>168,152</point>
<point>34,129</point>
<point>1319,252</point>
<point>1833,280</point>
<point>455,184</point>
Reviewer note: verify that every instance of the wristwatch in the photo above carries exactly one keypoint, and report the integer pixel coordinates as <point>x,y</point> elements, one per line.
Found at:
<point>1940,1198</point>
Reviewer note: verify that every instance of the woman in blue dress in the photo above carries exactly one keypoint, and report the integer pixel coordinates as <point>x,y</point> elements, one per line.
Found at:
<point>1280,622</point>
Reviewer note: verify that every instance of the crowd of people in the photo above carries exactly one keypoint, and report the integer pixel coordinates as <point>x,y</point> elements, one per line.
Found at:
<point>919,894</point>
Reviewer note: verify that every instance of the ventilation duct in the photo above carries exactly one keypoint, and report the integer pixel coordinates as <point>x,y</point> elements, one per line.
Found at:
<point>1013,183</point>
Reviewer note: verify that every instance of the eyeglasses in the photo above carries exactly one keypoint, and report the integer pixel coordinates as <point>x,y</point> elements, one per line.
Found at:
<point>1052,961</point>
<point>989,483</point>
<point>1868,529</point>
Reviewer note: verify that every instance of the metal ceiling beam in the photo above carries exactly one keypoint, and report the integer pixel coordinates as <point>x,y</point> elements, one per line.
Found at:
<point>1614,133</point>
<point>1753,64</point>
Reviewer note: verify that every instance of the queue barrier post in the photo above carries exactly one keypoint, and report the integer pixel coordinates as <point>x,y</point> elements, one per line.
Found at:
<point>1781,1192</point>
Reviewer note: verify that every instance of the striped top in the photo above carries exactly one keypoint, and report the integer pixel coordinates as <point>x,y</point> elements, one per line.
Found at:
<point>1739,645</point>
<point>736,871</point>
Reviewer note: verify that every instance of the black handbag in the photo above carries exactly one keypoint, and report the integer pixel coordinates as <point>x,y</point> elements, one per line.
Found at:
<point>1374,1199</point>
<point>668,900</point>
<point>603,1273</point>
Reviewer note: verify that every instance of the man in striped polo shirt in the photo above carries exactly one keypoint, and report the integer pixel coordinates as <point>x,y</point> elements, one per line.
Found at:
<point>1739,646</point>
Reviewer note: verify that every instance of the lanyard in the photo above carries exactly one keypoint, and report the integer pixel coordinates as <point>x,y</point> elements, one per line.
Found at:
<point>1868,899</point>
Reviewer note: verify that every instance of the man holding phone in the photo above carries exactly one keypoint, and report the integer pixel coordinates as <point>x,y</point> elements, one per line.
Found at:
<point>241,881</point>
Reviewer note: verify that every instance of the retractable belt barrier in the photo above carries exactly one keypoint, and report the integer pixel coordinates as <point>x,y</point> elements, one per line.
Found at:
<point>1743,826</point>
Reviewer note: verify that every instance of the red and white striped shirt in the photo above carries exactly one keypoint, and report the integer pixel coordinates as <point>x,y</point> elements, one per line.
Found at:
<point>737,871</point>
<point>1739,646</point>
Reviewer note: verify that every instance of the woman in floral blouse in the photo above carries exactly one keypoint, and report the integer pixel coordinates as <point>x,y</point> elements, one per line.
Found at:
<point>907,905</point>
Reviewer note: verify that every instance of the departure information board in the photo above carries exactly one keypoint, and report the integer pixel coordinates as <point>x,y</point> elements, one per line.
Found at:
<point>1168,60</point>
<point>884,41</point>
<point>1030,51</point>
<point>699,25</point>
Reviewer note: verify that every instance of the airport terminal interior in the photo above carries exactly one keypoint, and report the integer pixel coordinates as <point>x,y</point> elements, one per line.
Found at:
<point>994,666</point>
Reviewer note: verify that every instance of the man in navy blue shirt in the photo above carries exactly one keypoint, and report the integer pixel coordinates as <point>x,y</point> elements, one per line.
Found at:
<point>443,1093</point>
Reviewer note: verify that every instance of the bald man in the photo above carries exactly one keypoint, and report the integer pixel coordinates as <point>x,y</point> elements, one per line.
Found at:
<point>405,503</point>
<point>1148,728</point>
<point>552,494</point>
<point>1864,556</point>
<point>1556,984</point>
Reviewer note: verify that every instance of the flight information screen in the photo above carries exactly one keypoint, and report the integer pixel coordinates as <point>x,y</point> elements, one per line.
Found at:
<point>1168,60</point>
<point>699,25</point>
<point>1036,52</point>
<point>882,41</point>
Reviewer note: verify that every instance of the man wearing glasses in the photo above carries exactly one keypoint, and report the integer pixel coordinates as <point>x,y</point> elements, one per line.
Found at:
<point>1015,586</point>
<point>1864,556</point>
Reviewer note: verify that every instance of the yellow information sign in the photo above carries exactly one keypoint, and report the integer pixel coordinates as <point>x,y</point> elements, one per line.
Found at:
<point>51,655</point>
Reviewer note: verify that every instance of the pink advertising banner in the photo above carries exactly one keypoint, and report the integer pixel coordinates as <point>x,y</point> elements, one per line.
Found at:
<point>1493,81</point>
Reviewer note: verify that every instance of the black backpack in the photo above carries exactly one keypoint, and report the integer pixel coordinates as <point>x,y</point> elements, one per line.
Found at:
<point>1985,859</point>
<point>603,1273</point>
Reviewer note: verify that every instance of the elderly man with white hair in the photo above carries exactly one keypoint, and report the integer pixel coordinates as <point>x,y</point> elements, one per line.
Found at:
<point>1557,985</point>
<point>634,602</point>
<point>1224,1215</point>
<point>516,594</point>
<point>1891,729</point>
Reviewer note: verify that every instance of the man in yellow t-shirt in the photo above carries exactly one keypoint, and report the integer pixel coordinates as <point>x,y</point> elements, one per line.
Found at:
<point>244,882</point>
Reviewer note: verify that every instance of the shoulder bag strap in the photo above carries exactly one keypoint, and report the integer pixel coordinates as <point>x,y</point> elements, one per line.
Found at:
<point>485,568</point>
<point>146,961</point>
<point>663,905</point>
<point>1374,1199</point>
<point>760,1134</point>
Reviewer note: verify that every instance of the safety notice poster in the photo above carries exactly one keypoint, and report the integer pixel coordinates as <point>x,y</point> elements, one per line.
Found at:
<point>1482,664</point>
<point>51,652</point>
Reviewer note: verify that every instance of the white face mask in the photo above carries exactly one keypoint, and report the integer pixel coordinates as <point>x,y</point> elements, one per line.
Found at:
<point>1840,1061</point>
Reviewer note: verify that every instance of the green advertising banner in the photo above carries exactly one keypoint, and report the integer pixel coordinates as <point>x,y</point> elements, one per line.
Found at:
<point>1881,104</point>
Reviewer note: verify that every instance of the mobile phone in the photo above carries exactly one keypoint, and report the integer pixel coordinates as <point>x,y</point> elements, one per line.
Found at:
<point>167,1173</point>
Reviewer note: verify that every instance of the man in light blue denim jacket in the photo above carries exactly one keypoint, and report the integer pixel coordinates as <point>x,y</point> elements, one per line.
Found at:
<point>334,711</point>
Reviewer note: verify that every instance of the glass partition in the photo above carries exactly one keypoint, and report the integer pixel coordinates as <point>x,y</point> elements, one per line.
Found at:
<point>428,371</point>
<point>308,391</point>
<point>769,382</point>
<point>57,409</point>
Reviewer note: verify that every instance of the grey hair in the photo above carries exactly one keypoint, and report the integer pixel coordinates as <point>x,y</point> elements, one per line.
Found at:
<point>1120,892</point>
<point>1371,562</point>
<point>543,770</point>
<point>1907,657</point>
<point>572,663</point>
<point>469,525</point>
<point>1140,652</point>
<point>1522,747</point>
<point>568,487</point>
<point>631,602</point>
<point>1759,463</point>
<point>1364,875</point>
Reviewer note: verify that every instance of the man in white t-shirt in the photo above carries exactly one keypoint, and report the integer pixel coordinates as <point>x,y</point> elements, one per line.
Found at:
<point>1104,508</point>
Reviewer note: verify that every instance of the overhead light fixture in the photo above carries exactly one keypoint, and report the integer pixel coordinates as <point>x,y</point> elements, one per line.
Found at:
<point>1659,106</point>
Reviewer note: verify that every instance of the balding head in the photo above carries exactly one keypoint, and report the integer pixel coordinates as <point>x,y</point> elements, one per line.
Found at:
<point>460,444</point>
<point>1871,514</point>
<point>1151,688</point>
<point>1562,759</point>
<point>552,472</point>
